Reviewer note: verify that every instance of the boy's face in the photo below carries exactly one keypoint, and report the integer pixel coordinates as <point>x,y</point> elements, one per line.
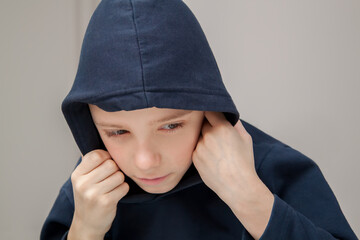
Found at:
<point>145,148</point>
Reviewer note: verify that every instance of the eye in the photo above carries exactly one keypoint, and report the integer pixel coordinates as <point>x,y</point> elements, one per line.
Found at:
<point>173,127</point>
<point>115,133</point>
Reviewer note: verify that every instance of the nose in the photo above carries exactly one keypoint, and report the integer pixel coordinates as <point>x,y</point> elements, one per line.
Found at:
<point>146,157</point>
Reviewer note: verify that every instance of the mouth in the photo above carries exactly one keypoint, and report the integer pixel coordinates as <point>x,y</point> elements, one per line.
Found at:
<point>153,181</point>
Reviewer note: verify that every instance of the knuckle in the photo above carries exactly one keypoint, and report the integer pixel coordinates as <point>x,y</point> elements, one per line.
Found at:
<point>120,176</point>
<point>125,186</point>
<point>106,201</point>
<point>94,156</point>
<point>97,155</point>
<point>223,127</point>
<point>73,176</point>
<point>110,165</point>
<point>89,196</point>
<point>101,154</point>
<point>79,186</point>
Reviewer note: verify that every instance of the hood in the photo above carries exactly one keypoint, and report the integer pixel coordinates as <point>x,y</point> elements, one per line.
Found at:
<point>141,54</point>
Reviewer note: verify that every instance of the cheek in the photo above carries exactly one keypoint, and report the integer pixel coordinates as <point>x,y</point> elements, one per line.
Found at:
<point>181,147</point>
<point>117,153</point>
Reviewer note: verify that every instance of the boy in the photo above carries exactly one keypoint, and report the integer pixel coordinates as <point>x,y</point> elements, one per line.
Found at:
<point>202,174</point>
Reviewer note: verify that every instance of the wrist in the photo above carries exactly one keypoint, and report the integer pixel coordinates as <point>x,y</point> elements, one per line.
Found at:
<point>253,208</point>
<point>258,197</point>
<point>79,231</point>
<point>245,191</point>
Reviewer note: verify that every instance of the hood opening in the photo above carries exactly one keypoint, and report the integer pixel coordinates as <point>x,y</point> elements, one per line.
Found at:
<point>140,54</point>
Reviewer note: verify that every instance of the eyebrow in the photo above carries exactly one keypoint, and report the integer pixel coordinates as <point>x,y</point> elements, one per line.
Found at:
<point>164,119</point>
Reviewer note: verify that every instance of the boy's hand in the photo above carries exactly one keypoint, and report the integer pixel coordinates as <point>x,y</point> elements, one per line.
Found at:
<point>98,185</point>
<point>224,157</point>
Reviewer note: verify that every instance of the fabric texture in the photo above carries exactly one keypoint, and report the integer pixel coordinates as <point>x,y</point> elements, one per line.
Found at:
<point>153,53</point>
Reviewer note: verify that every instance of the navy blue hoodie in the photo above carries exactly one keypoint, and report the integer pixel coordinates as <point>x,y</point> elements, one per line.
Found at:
<point>153,53</point>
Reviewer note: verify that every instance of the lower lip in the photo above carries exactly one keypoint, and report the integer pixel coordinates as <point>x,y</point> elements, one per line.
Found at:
<point>154,181</point>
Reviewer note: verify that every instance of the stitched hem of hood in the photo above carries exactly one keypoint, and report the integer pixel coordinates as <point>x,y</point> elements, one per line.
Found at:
<point>120,93</point>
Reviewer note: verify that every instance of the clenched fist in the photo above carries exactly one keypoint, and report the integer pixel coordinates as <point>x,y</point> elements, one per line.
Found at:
<point>98,185</point>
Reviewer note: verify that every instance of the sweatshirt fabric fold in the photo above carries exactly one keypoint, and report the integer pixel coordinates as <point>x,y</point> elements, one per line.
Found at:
<point>153,53</point>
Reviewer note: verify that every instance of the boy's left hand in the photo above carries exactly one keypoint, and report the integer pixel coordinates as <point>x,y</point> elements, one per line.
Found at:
<point>224,157</point>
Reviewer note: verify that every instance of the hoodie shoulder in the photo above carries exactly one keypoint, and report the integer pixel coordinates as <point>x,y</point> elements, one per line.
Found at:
<point>263,143</point>
<point>67,188</point>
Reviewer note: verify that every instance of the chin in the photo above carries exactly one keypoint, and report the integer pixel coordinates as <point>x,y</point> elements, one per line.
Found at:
<point>159,189</point>
<point>156,190</point>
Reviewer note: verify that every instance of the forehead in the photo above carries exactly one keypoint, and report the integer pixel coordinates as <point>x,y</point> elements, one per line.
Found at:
<point>151,115</point>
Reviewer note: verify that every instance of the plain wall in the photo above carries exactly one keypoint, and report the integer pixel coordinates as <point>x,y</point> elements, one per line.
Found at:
<point>292,68</point>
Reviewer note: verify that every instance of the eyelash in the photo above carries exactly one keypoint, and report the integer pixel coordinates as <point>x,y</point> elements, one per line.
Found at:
<point>178,126</point>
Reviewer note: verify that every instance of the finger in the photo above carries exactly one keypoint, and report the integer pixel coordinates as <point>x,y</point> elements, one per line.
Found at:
<point>215,118</point>
<point>205,127</point>
<point>240,127</point>
<point>104,170</point>
<point>91,160</point>
<point>119,192</point>
<point>111,182</point>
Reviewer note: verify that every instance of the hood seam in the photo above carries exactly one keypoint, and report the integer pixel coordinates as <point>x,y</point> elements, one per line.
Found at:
<point>138,44</point>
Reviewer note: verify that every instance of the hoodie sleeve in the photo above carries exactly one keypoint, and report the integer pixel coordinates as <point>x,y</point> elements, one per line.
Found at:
<point>305,206</point>
<point>58,222</point>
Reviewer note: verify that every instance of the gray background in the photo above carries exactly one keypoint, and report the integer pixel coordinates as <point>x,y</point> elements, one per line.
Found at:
<point>292,67</point>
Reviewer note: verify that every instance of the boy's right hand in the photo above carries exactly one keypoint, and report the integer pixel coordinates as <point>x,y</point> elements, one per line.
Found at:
<point>98,185</point>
